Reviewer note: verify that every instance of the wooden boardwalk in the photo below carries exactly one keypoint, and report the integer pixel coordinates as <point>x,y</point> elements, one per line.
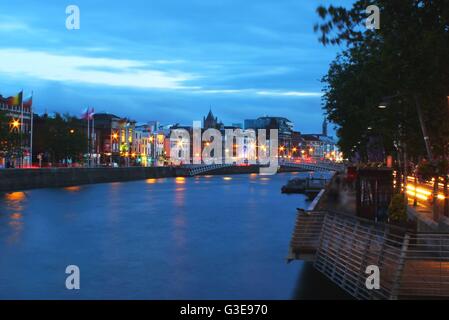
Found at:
<point>342,246</point>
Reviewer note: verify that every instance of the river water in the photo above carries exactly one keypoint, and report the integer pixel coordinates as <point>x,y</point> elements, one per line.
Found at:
<point>208,237</point>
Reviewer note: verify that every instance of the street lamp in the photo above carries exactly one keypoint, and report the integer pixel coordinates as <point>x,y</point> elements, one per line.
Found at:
<point>15,124</point>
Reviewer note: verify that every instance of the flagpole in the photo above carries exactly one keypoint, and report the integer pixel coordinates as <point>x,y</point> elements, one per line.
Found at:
<point>31,138</point>
<point>21,129</point>
<point>93,134</point>
<point>88,138</point>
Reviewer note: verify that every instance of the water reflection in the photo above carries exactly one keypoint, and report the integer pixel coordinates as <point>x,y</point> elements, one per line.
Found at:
<point>180,180</point>
<point>73,188</point>
<point>14,197</point>
<point>14,201</point>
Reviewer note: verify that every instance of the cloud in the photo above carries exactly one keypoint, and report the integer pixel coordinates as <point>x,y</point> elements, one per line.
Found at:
<point>116,72</point>
<point>88,70</point>
<point>258,92</point>
<point>6,26</point>
<point>290,93</point>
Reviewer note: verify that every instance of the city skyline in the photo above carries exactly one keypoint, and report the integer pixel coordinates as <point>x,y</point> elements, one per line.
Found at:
<point>243,60</point>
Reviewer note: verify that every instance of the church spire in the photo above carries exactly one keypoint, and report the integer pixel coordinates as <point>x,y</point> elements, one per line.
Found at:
<point>324,132</point>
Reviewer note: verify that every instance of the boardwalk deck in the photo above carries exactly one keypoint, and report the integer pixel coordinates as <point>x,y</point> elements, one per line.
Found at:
<point>411,265</point>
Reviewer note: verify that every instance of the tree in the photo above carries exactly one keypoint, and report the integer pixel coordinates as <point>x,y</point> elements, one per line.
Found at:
<point>60,137</point>
<point>406,57</point>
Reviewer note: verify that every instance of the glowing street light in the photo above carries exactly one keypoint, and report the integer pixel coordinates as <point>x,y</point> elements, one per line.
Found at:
<point>15,124</point>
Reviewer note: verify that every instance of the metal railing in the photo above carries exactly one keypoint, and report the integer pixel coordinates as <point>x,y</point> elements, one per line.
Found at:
<point>411,265</point>
<point>199,169</point>
<point>319,166</point>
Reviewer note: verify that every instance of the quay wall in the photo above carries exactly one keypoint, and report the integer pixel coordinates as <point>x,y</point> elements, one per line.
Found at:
<point>23,179</point>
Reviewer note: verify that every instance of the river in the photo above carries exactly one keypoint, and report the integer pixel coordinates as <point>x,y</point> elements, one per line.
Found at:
<point>207,237</point>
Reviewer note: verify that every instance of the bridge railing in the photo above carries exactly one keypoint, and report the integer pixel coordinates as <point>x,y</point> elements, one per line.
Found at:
<point>315,166</point>
<point>198,169</point>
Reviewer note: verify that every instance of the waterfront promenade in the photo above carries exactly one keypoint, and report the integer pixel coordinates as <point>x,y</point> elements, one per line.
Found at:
<point>412,263</point>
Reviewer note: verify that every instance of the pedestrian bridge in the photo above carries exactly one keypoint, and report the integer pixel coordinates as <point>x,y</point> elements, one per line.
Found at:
<point>315,166</point>
<point>196,169</point>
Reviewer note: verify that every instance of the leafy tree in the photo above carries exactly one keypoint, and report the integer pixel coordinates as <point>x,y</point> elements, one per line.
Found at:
<point>60,137</point>
<point>397,211</point>
<point>407,57</point>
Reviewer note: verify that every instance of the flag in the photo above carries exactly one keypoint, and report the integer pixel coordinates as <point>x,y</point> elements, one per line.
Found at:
<point>88,114</point>
<point>28,102</point>
<point>15,100</point>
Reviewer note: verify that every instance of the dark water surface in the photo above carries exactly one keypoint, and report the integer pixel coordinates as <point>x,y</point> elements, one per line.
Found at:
<point>210,237</point>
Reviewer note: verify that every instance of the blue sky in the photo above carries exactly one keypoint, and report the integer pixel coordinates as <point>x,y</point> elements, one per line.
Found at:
<point>168,60</point>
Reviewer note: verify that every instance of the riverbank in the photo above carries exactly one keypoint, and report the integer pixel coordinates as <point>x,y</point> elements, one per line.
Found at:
<point>24,179</point>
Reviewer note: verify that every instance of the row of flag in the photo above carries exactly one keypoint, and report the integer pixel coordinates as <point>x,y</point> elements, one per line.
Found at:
<point>17,100</point>
<point>88,114</point>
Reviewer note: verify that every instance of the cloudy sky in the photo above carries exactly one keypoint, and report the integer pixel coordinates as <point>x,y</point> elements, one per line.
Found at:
<point>168,60</point>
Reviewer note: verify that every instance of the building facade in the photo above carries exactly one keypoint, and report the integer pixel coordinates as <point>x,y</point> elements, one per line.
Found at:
<point>20,117</point>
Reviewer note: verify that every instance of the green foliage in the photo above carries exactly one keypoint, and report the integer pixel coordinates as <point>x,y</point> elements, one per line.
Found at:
<point>407,57</point>
<point>60,137</point>
<point>397,211</point>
